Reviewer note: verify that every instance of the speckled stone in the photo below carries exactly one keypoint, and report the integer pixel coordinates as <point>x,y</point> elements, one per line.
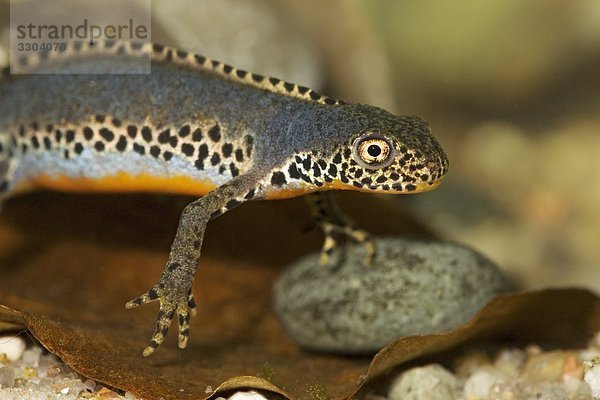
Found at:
<point>413,287</point>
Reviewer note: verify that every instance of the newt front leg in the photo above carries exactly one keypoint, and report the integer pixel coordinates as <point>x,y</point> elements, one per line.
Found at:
<point>174,289</point>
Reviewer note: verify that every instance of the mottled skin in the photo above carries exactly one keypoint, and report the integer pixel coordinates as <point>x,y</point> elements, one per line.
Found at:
<point>240,136</point>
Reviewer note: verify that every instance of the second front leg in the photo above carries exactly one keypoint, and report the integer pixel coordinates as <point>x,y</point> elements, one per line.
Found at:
<point>336,227</point>
<point>174,289</point>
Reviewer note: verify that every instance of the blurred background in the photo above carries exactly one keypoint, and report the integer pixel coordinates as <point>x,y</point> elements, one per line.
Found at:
<point>511,90</point>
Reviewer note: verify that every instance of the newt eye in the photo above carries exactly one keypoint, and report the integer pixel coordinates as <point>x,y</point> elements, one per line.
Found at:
<point>373,151</point>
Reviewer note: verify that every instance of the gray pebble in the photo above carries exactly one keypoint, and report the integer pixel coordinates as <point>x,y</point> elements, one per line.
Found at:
<point>413,287</point>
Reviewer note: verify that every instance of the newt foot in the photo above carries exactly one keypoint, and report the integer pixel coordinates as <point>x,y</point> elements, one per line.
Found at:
<point>170,304</point>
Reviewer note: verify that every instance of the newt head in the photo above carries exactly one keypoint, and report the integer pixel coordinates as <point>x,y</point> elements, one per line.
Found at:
<point>357,147</point>
<point>387,154</point>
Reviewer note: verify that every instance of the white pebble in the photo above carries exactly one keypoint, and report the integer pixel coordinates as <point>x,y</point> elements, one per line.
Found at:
<point>12,346</point>
<point>591,376</point>
<point>431,382</point>
<point>479,385</point>
<point>252,395</point>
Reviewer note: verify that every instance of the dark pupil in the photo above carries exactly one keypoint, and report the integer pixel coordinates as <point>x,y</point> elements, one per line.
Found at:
<point>374,150</point>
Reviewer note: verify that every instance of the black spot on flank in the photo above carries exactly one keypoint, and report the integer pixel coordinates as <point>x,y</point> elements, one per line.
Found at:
<point>199,164</point>
<point>132,131</point>
<point>274,81</point>
<point>88,134</point>
<point>70,135</point>
<point>358,173</point>
<point>197,135</point>
<point>239,155</point>
<point>337,158</point>
<point>278,178</point>
<point>381,179</point>
<point>78,148</point>
<point>99,146</point>
<point>66,154</point>
<point>24,148</point>
<point>332,170</point>
<point>99,118</point>
<point>344,178</point>
<point>147,134</point>
<point>155,151</point>
<point>215,133</point>
<point>35,126</point>
<point>367,181</point>
<point>139,149</point>
<point>241,73</point>
<point>231,204</point>
<point>47,143</point>
<point>58,135</point>
<point>215,159</point>
<point>181,53</point>
<point>424,177</point>
<point>293,171</point>
<point>394,176</point>
<point>49,129</point>
<point>184,131</point>
<point>314,95</point>
<point>410,187</point>
<point>329,101</point>
<point>249,141</point>
<point>303,89</point>
<point>116,122</point>
<point>234,170</point>
<point>307,163</point>
<point>288,86</point>
<point>227,68</point>
<point>357,184</point>
<point>122,143</point>
<point>222,169</point>
<point>215,63</point>
<point>250,194</point>
<point>347,153</point>
<point>385,187</point>
<point>316,170</point>
<point>34,142</point>
<point>202,152</point>
<point>199,59</point>
<point>107,134</point>
<point>187,149</point>
<point>257,78</point>
<point>163,137</point>
<point>227,149</point>
<point>167,155</point>
<point>169,56</point>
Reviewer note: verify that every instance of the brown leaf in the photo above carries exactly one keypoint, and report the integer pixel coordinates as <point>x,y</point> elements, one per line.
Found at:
<point>69,263</point>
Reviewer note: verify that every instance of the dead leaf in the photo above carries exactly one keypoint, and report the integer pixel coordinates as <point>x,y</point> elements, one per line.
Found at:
<point>69,263</point>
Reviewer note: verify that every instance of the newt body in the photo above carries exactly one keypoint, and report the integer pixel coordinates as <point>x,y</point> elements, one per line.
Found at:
<point>197,126</point>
